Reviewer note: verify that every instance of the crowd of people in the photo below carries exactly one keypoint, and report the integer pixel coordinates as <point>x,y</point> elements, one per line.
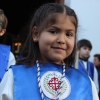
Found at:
<point>46,67</point>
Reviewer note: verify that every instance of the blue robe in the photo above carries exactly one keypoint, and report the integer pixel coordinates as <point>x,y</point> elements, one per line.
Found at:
<point>90,68</point>
<point>26,85</point>
<point>4,58</point>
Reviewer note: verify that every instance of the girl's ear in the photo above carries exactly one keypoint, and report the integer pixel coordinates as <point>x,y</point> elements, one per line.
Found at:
<point>35,34</point>
<point>2,32</point>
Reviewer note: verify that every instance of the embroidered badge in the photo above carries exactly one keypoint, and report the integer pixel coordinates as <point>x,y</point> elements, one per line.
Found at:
<point>52,85</point>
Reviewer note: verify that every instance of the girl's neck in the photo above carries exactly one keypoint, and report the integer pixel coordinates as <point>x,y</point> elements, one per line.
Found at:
<point>49,61</point>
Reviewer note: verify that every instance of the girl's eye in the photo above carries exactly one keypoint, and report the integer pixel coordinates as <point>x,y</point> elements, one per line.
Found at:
<point>69,34</point>
<point>53,31</point>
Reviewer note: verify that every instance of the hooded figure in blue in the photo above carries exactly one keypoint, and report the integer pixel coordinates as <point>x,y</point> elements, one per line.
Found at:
<point>44,71</point>
<point>6,57</point>
<point>84,48</point>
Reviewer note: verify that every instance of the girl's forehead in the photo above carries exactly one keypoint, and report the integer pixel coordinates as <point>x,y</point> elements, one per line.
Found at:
<point>62,18</point>
<point>57,18</point>
<point>64,22</point>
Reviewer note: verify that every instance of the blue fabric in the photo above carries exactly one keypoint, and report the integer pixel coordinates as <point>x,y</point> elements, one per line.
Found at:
<point>4,58</point>
<point>26,85</point>
<point>90,68</point>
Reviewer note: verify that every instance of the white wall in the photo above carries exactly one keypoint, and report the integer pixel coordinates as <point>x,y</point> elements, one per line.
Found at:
<point>88,12</point>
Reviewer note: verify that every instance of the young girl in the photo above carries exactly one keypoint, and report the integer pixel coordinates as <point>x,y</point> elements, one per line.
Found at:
<point>45,72</point>
<point>6,57</point>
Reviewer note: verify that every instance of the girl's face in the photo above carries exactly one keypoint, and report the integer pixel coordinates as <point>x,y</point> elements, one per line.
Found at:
<point>56,42</point>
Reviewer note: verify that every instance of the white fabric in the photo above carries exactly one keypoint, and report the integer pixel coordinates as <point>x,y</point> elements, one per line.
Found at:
<point>6,87</point>
<point>94,91</point>
<point>11,60</point>
<point>95,76</point>
<point>85,64</point>
<point>95,79</point>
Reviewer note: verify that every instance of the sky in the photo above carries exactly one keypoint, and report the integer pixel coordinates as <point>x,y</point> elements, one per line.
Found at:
<point>88,13</point>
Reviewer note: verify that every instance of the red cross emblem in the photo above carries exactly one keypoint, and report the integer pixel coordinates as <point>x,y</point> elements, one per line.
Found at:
<point>54,83</point>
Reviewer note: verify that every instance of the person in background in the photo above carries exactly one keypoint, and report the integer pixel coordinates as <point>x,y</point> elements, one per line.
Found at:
<point>84,48</point>
<point>96,62</point>
<point>44,72</point>
<point>6,56</point>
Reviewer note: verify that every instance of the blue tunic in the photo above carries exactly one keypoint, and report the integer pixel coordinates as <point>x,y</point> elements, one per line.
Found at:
<point>26,85</point>
<point>90,68</point>
<point>4,58</point>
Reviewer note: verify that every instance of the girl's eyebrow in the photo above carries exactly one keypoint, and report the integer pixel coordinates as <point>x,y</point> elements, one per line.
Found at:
<point>55,27</point>
<point>60,29</point>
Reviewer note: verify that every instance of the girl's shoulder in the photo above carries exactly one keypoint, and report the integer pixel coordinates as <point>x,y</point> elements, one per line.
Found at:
<point>76,73</point>
<point>79,78</point>
<point>21,68</point>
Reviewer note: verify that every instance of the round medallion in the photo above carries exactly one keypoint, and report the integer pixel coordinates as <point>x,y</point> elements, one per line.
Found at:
<point>53,87</point>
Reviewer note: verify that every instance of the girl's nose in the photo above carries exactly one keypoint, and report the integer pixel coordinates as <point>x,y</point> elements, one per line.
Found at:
<point>61,39</point>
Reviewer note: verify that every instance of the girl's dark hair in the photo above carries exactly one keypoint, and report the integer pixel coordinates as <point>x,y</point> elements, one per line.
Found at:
<point>3,20</point>
<point>46,15</point>
<point>84,42</point>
